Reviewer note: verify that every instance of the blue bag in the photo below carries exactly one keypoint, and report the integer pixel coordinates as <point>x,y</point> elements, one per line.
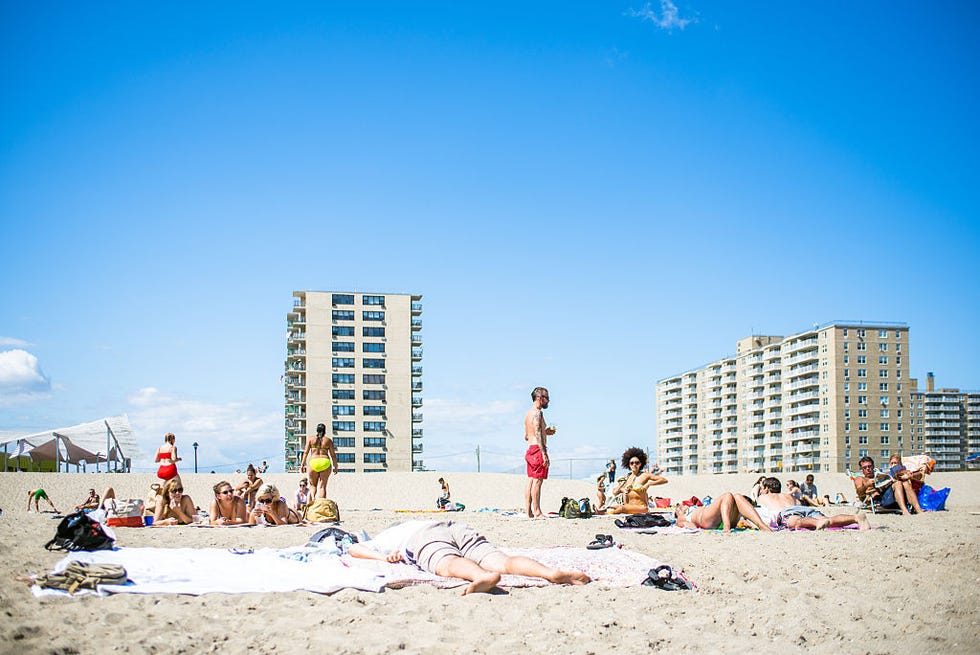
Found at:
<point>932,500</point>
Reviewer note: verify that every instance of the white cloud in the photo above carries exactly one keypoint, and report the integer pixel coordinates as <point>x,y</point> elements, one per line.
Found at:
<point>21,377</point>
<point>11,342</point>
<point>668,18</point>
<point>229,434</point>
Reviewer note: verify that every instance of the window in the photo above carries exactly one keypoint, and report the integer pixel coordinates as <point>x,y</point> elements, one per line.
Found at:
<point>845,333</point>
<point>372,331</point>
<point>373,300</point>
<point>898,347</point>
<point>342,378</point>
<point>374,426</point>
<point>882,386</point>
<point>898,360</point>
<point>898,335</point>
<point>344,442</point>
<point>884,453</point>
<point>847,440</point>
<point>373,316</point>
<point>885,440</point>
<point>342,346</point>
<point>898,374</point>
<point>862,359</point>
<point>883,360</point>
<point>343,394</point>
<point>884,427</point>
<point>342,315</point>
<point>862,413</point>
<point>345,458</point>
<point>374,410</point>
<point>373,363</point>
<point>847,413</point>
<point>862,345</point>
<point>862,372</point>
<point>883,400</point>
<point>862,386</point>
<point>863,452</point>
<point>847,453</point>
<point>342,299</point>
<point>373,394</point>
<point>847,386</point>
<point>373,379</point>
<point>847,400</point>
<point>343,426</point>
<point>883,347</point>
<point>845,346</point>
<point>373,347</point>
<point>861,332</point>
<point>343,410</point>
<point>846,358</point>
<point>342,362</point>
<point>343,330</point>
<point>374,442</point>
<point>375,458</point>
<point>847,373</point>
<point>882,334</point>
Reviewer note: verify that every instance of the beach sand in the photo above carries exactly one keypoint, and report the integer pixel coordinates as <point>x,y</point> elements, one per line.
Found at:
<point>909,586</point>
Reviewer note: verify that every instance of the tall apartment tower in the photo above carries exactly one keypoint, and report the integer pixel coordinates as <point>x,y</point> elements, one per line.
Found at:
<point>944,424</point>
<point>354,363</point>
<point>814,401</point>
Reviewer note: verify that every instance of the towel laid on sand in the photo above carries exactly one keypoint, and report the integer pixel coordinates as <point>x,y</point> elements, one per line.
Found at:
<point>198,571</point>
<point>609,567</point>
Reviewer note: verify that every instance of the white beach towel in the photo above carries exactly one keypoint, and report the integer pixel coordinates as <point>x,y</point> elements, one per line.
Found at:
<point>198,571</point>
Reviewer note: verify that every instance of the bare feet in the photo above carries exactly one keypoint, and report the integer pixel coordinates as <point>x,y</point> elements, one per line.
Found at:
<point>570,577</point>
<point>483,583</point>
<point>862,521</point>
<point>822,524</point>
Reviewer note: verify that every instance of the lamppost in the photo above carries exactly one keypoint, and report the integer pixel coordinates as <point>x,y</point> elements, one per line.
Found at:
<point>195,457</point>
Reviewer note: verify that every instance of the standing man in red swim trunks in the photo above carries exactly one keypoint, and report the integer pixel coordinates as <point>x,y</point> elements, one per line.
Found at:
<point>536,434</point>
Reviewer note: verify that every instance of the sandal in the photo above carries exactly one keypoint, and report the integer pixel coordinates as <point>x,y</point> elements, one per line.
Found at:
<point>663,577</point>
<point>601,541</point>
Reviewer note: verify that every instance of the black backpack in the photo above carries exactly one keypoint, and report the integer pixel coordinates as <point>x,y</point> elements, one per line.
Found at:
<point>78,532</point>
<point>642,521</point>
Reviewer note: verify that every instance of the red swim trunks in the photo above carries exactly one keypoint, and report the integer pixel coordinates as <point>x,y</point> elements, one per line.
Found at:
<point>535,463</point>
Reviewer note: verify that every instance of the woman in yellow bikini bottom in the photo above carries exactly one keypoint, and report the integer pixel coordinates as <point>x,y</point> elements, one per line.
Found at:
<point>320,463</point>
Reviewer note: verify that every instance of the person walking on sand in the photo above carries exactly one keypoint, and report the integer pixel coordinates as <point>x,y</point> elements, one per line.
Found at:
<point>167,458</point>
<point>536,434</point>
<point>321,458</point>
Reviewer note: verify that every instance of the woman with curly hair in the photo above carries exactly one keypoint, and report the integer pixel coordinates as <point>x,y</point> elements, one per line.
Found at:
<point>634,486</point>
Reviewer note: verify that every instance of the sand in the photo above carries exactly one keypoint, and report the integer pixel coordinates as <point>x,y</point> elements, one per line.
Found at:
<point>909,586</point>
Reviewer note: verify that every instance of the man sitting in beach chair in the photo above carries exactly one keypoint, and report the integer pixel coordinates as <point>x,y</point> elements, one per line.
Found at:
<point>455,550</point>
<point>888,490</point>
<point>90,503</point>
<point>784,510</point>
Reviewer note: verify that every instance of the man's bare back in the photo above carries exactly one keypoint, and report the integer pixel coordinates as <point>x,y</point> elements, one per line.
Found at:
<point>535,433</point>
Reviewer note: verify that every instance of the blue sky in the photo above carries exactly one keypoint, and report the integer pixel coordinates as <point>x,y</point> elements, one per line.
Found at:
<point>590,196</point>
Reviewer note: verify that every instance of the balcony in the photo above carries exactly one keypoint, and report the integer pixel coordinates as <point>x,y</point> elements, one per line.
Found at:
<point>417,370</point>
<point>416,401</point>
<point>416,417</point>
<point>296,336</point>
<point>416,339</point>
<point>416,433</point>
<point>416,324</point>
<point>417,386</point>
<point>416,309</point>
<point>416,448</point>
<point>417,465</point>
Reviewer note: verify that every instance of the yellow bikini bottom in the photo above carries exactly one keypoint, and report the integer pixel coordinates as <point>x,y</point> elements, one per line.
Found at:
<point>319,464</point>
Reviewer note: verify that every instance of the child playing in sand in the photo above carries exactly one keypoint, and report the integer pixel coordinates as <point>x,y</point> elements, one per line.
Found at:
<point>455,550</point>
<point>784,509</point>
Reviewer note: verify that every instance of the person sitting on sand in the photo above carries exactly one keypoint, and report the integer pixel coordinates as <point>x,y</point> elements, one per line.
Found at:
<point>172,506</point>
<point>600,491</point>
<point>302,496</point>
<point>810,494</point>
<point>443,502</point>
<point>90,503</point>
<point>37,495</point>
<point>271,509</point>
<point>757,488</point>
<point>891,491</point>
<point>726,510</point>
<point>227,508</point>
<point>783,509</point>
<point>634,486</point>
<point>455,550</point>
<point>249,486</point>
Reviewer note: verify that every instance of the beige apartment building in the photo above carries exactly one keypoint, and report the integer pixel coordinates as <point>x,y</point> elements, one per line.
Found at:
<point>354,363</point>
<point>814,401</point>
<point>945,424</point>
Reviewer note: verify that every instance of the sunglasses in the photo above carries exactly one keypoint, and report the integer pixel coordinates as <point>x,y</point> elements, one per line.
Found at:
<point>634,461</point>
<point>264,500</point>
<point>179,490</point>
<point>225,492</point>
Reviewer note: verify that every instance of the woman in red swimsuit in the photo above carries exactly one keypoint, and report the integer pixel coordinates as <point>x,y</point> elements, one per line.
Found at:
<point>167,456</point>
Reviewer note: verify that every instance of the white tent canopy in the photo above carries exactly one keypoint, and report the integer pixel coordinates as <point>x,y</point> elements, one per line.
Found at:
<point>109,439</point>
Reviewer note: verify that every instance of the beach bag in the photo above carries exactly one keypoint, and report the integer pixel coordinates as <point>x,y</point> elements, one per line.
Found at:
<point>932,500</point>
<point>126,514</point>
<point>322,510</point>
<point>575,509</point>
<point>83,575</point>
<point>78,532</point>
<point>661,502</point>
